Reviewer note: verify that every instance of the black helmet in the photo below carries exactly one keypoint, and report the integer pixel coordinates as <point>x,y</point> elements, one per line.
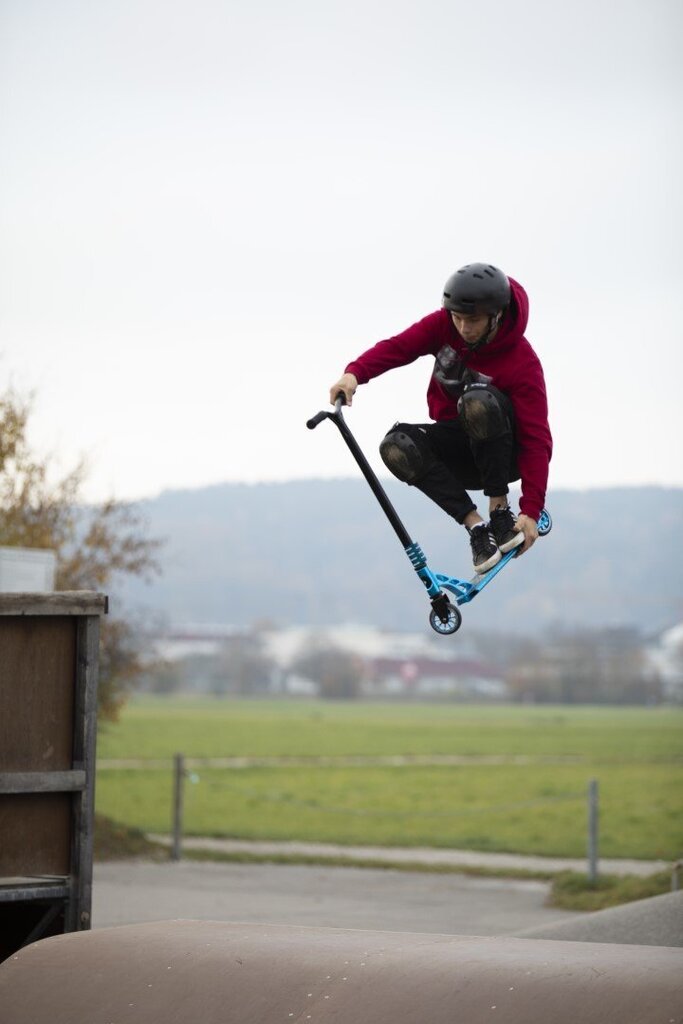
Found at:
<point>477,288</point>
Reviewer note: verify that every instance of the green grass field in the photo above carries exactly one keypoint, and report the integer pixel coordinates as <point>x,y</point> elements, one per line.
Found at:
<point>530,801</point>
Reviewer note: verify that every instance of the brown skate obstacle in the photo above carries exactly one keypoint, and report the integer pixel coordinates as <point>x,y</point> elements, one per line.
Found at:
<point>197,972</point>
<point>48,711</point>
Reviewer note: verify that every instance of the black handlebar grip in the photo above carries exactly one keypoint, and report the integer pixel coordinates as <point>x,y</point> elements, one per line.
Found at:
<point>315,420</point>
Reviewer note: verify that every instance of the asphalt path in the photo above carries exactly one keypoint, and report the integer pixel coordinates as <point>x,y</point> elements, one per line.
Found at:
<point>132,892</point>
<point>427,856</point>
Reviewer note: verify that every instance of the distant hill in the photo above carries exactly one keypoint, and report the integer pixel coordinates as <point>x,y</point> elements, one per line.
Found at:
<point>321,551</point>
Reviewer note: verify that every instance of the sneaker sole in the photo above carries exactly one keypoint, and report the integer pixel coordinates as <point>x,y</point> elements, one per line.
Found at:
<point>510,545</point>
<point>489,563</point>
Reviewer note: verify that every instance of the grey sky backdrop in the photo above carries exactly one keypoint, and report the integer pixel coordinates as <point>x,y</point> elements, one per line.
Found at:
<point>208,208</point>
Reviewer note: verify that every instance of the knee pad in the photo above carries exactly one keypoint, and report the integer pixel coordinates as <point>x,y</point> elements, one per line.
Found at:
<point>405,452</point>
<point>482,412</point>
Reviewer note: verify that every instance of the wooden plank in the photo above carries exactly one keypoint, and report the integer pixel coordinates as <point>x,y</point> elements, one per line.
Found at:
<point>65,602</point>
<point>12,881</point>
<point>36,832</point>
<point>49,647</point>
<point>36,693</point>
<point>79,909</point>
<point>37,670</point>
<point>28,891</point>
<point>42,782</point>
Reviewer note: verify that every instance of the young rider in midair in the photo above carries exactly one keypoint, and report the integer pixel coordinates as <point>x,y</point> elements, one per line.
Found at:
<point>488,402</point>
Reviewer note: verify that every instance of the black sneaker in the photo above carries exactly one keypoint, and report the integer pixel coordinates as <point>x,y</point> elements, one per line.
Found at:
<point>502,525</point>
<point>485,551</point>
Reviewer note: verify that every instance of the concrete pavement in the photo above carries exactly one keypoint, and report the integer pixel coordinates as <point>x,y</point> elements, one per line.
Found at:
<point>657,921</point>
<point>128,892</point>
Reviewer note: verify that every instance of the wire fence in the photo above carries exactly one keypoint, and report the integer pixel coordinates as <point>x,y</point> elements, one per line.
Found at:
<point>181,774</point>
<point>374,812</point>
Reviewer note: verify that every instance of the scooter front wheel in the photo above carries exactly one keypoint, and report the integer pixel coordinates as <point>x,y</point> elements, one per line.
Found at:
<point>450,625</point>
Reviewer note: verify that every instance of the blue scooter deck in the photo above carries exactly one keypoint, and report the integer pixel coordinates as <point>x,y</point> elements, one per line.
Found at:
<point>467,590</point>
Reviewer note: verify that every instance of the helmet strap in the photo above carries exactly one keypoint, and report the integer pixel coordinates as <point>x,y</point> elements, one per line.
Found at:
<point>494,323</point>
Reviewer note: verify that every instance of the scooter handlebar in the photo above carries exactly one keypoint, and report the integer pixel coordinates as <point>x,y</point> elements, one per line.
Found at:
<point>318,418</point>
<point>324,415</point>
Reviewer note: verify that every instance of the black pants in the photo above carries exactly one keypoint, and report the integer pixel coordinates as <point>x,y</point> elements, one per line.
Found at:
<point>460,462</point>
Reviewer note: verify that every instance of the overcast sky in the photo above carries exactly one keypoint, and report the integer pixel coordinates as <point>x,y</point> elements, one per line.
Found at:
<point>208,208</point>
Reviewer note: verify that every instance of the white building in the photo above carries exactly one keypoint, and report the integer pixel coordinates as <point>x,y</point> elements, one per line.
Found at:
<point>666,656</point>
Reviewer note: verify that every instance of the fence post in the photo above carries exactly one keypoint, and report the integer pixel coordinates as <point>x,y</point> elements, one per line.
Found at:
<point>178,786</point>
<point>593,815</point>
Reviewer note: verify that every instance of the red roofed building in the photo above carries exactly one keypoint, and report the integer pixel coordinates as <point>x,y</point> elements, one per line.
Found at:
<point>432,677</point>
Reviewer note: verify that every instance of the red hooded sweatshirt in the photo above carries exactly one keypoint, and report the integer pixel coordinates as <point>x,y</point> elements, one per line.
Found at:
<point>511,363</point>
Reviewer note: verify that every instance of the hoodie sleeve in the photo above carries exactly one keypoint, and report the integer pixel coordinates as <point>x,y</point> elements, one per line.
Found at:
<point>420,339</point>
<point>534,441</point>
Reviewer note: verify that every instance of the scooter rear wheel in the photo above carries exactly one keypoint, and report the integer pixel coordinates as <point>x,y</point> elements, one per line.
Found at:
<point>545,523</point>
<point>452,623</point>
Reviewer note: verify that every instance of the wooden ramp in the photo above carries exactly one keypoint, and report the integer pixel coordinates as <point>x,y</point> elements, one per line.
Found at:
<point>198,972</point>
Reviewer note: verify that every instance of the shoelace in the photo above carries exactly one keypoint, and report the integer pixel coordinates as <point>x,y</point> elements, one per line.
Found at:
<point>503,518</point>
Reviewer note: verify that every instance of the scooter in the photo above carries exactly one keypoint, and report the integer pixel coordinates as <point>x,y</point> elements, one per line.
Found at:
<point>445,617</point>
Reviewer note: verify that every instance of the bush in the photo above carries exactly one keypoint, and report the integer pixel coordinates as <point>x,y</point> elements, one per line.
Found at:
<point>574,891</point>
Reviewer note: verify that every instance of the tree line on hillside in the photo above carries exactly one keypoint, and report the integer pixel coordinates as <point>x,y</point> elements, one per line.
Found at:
<point>581,667</point>
<point>236,552</point>
<point>99,547</point>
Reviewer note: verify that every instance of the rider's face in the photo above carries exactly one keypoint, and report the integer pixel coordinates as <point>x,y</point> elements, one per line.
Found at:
<point>470,327</point>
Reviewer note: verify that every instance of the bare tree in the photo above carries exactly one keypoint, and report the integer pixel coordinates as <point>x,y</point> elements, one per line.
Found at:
<point>94,544</point>
<point>243,666</point>
<point>337,673</point>
<point>585,666</point>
